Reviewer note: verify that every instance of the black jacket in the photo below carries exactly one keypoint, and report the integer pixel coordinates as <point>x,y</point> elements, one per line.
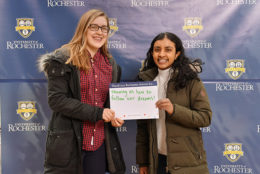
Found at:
<point>64,139</point>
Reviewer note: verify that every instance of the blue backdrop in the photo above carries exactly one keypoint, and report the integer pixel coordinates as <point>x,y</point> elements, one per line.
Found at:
<point>223,33</point>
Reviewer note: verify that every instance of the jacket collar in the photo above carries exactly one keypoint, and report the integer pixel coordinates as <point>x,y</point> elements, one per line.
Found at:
<point>150,74</point>
<point>61,55</point>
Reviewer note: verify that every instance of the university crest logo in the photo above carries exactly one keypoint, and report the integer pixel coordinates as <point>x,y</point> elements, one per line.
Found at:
<point>25,27</point>
<point>113,26</point>
<point>235,68</point>
<point>233,151</point>
<point>26,109</point>
<point>192,26</point>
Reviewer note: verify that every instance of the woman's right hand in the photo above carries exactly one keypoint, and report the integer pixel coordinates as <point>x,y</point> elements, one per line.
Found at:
<point>108,115</point>
<point>117,122</point>
<point>143,170</point>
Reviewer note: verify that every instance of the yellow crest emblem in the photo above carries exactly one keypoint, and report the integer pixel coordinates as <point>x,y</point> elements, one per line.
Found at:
<point>233,151</point>
<point>26,109</point>
<point>235,68</point>
<point>113,26</point>
<point>24,26</point>
<point>192,26</point>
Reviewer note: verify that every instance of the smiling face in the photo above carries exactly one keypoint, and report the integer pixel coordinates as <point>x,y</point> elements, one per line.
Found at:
<point>96,39</point>
<point>164,53</point>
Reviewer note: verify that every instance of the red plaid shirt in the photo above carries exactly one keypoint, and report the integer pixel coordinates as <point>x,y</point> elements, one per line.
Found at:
<point>94,88</point>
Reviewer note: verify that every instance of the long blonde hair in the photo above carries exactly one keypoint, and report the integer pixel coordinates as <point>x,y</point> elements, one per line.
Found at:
<point>79,55</point>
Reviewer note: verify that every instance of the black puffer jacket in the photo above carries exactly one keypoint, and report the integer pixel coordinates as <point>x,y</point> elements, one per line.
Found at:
<point>64,139</point>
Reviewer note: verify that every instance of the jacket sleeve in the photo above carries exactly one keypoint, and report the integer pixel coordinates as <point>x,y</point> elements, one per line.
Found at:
<point>199,113</point>
<point>60,99</point>
<point>142,143</point>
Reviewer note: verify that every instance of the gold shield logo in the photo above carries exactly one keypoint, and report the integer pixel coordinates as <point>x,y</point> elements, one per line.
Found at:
<point>26,109</point>
<point>233,151</point>
<point>192,26</point>
<point>24,27</point>
<point>113,26</point>
<point>235,68</point>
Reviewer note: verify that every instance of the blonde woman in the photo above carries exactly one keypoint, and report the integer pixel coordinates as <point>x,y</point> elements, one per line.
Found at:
<point>81,136</point>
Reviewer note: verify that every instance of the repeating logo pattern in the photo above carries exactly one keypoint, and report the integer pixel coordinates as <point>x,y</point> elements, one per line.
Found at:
<point>235,68</point>
<point>25,27</point>
<point>233,151</point>
<point>192,26</point>
<point>26,109</point>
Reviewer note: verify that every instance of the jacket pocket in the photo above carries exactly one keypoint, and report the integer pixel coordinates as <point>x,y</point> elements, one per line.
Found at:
<point>59,147</point>
<point>184,151</point>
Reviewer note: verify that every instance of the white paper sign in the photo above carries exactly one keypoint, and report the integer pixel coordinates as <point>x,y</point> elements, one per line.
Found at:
<point>134,100</point>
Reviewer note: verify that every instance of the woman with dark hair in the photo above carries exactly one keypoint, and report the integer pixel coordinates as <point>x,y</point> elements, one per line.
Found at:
<point>173,143</point>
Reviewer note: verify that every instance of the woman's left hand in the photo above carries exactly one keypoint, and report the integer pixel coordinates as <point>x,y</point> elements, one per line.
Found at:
<point>117,122</point>
<point>165,104</point>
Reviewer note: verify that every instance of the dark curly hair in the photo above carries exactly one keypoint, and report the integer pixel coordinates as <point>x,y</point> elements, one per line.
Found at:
<point>182,64</point>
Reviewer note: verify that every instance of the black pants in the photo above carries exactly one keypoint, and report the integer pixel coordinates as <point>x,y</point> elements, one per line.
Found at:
<point>94,162</point>
<point>162,164</point>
